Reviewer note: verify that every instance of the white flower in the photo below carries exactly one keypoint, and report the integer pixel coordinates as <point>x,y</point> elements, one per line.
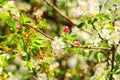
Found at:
<point>81,9</point>
<point>116,76</point>
<point>6,7</point>
<point>72,62</point>
<point>84,8</point>
<point>114,38</point>
<point>76,31</point>
<point>95,40</point>
<point>93,6</point>
<point>58,45</point>
<point>106,32</point>
<point>99,74</point>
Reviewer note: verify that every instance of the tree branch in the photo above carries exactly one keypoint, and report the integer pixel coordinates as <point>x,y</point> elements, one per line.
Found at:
<point>63,15</point>
<point>112,62</point>
<point>98,48</point>
<point>84,47</point>
<point>30,26</point>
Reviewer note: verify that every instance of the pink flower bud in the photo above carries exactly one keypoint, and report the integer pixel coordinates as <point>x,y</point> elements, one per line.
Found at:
<point>18,27</point>
<point>117,23</point>
<point>66,29</point>
<point>77,43</point>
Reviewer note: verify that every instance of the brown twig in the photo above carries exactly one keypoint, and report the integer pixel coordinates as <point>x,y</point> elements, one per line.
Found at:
<point>112,62</point>
<point>63,15</point>
<point>98,48</point>
<point>30,26</point>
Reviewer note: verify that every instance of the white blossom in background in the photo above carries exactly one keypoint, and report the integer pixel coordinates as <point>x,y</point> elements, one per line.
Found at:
<point>41,76</point>
<point>10,5</point>
<point>81,9</point>
<point>75,31</point>
<point>72,61</point>
<point>99,74</point>
<point>95,40</point>
<point>113,36</point>
<point>93,6</point>
<point>7,6</point>
<point>86,7</point>
<point>106,32</point>
<point>58,45</point>
<point>116,76</point>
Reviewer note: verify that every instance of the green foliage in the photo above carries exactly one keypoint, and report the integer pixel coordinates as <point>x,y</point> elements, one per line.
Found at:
<point>3,61</point>
<point>28,46</point>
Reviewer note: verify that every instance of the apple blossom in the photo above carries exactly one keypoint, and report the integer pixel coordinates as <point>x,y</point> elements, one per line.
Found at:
<point>58,45</point>
<point>93,6</point>
<point>86,7</point>
<point>113,36</point>
<point>95,40</point>
<point>81,9</point>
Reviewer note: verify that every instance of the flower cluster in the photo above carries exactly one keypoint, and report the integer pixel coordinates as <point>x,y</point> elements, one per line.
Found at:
<point>86,8</point>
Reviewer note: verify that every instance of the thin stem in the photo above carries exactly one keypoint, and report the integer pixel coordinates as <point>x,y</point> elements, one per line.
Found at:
<point>30,26</point>
<point>97,48</point>
<point>96,29</point>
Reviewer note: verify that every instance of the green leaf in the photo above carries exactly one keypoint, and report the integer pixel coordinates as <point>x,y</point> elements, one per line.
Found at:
<point>24,19</point>
<point>29,65</point>
<point>35,47</point>
<point>42,24</point>
<point>3,61</point>
<point>46,65</point>
<point>25,58</point>
<point>97,57</point>
<point>76,50</point>
<point>83,53</point>
<point>102,15</point>
<point>81,25</point>
<point>2,2</point>
<point>110,28</point>
<point>11,22</point>
<point>118,58</point>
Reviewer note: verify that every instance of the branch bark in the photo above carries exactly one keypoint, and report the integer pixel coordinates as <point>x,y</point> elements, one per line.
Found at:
<point>30,26</point>
<point>112,62</point>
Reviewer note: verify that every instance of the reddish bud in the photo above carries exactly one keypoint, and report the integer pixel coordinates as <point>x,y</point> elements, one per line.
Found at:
<point>77,43</point>
<point>117,23</point>
<point>66,29</point>
<point>18,27</point>
<point>23,10</point>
